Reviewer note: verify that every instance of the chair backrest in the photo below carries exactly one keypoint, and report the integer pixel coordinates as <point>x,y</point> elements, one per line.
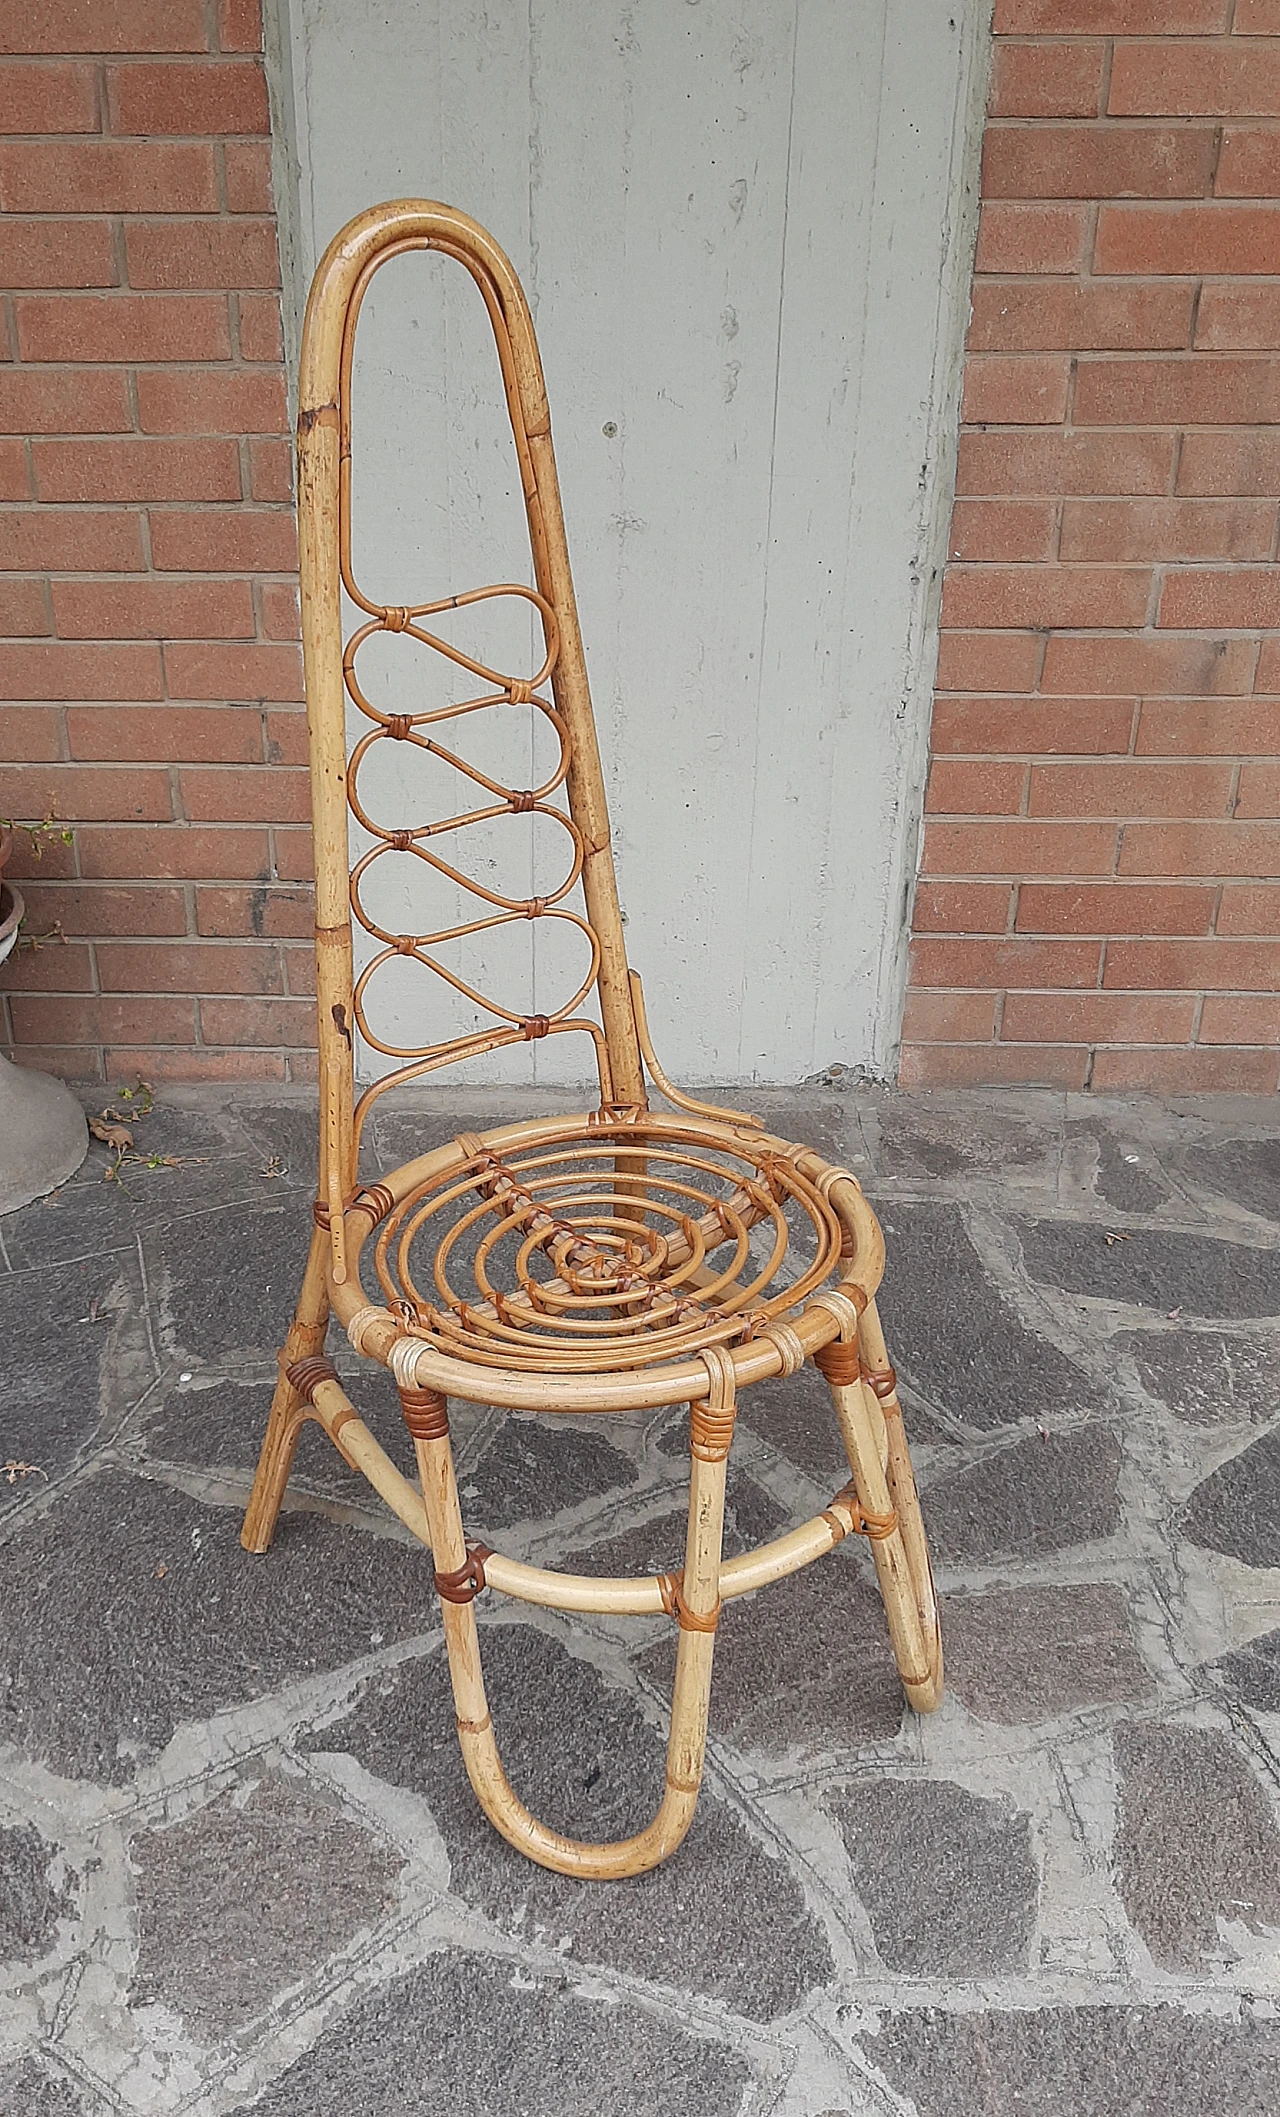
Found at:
<point>324,525</point>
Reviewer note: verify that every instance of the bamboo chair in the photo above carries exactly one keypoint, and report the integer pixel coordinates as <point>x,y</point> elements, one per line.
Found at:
<point>600,1263</point>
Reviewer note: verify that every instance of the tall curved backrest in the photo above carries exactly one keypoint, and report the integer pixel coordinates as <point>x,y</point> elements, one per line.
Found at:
<point>324,522</point>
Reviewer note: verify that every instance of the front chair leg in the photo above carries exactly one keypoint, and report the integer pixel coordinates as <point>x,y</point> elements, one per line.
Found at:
<point>695,1602</point>
<point>289,1409</point>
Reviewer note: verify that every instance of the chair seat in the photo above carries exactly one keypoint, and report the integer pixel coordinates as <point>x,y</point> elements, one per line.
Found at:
<point>591,1247</point>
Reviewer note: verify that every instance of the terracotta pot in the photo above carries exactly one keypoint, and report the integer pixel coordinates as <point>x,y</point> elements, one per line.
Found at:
<point>11,910</point>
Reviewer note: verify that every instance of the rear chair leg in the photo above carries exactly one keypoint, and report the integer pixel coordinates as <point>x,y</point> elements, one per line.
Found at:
<point>289,1409</point>
<point>695,1599</point>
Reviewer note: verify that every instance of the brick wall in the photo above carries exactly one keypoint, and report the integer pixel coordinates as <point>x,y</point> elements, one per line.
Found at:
<point>1098,903</point>
<point>149,674</point>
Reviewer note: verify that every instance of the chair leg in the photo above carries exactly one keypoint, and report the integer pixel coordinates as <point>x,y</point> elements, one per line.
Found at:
<point>696,1599</point>
<point>881,1465</point>
<point>289,1410</point>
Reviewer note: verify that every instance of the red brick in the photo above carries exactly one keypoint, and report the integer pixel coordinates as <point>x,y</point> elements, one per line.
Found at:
<point>273,672</point>
<point>1114,908</point>
<point>1196,966</point>
<point>60,671</point>
<point>1032,726</point>
<point>70,1063</point>
<point>70,540</point>
<point>271,794</point>
<point>287,737</point>
<point>1249,164</point>
<point>300,970</point>
<point>984,661</point>
<point>106,25</point>
<point>280,615</point>
<point>1235,317</point>
<point>167,733</point>
<point>1017,390</point>
<point>247,168</point>
<point>1019,848</point>
<point>261,337</point>
<point>294,852</point>
<point>1257,18</point>
<point>1187,1072</point>
<point>132,327</point>
<point>1125,790</point>
<point>1240,598</point>
<point>1096,1018</point>
<point>1250,908</point>
<point>47,253</point>
<point>43,99</point>
<point>967,1065</point>
<point>245,402</point>
<point>94,1020</point>
<point>1045,80</point>
<point>1227,1019</point>
<point>191,255</point>
<point>29,734</point>
<point>1045,595</point>
<point>137,470</point>
<point>203,1064</point>
<point>1121,18</point>
<point>1259,791</point>
<point>232,540</point>
<point>98,908</point>
<point>1235,77</point>
<point>62,967</point>
<point>1096,161</point>
<point>192,966</point>
<point>1064,463</point>
<point>150,609</point>
<point>225,95</point>
<point>271,470</point>
<point>101,793</point>
<point>1217,237</point>
<point>302,1068</point>
<point>949,1017</point>
<point>271,914</point>
<point>1017,238</point>
<point>1167,529</point>
<point>982,789</point>
<point>1199,389</point>
<point>962,907</point>
<point>991,963</point>
<point>1194,663</point>
<point>180,853</point>
<point>107,176</point>
<point>1002,529</point>
<point>15,477</point>
<point>24,608</point>
<point>1079,315</point>
<point>1269,668</point>
<point>258,1022</point>
<point>64,401</point>
<point>1247,464</point>
<point>41,858</point>
<point>239,25</point>
<point>1246,849</point>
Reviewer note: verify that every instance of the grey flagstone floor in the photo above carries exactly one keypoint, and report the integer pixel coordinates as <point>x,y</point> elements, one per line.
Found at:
<point>240,1867</point>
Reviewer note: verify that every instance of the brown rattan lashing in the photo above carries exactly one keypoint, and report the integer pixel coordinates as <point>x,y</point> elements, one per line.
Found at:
<point>606,1262</point>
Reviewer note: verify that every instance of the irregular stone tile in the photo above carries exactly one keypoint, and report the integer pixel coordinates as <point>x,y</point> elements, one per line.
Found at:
<point>30,1906</point>
<point>1247,1171</point>
<point>804,1664</point>
<point>826,1122</point>
<point>229,1279</point>
<point>30,2091</point>
<point>1020,1655</point>
<point>288,1134</point>
<point>1253,1672</point>
<point>794,1414</point>
<point>1236,1510</point>
<point>51,1356</point>
<point>951,1136</point>
<point>720,1917</point>
<point>144,1603</point>
<point>952,1335</point>
<point>478,2037</point>
<point>1206,1377</point>
<point>1037,1495</point>
<point>1154,1268</point>
<point>1196,1847</point>
<point>249,1896</point>
<point>948,1879</point>
<point>531,1469</point>
<point>399,1136</point>
<point>1117,2061</point>
<point>1130,1185</point>
<point>751,1517</point>
<point>220,1427</point>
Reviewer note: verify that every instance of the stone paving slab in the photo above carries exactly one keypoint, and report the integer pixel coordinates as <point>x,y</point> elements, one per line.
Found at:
<point>241,1870</point>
